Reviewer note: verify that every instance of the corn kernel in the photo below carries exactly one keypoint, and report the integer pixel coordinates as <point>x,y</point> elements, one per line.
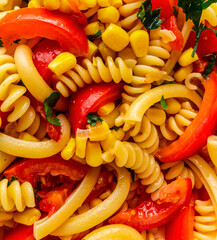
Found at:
<point>106,51</point>
<point>156,116</point>
<point>106,109</point>
<point>81,144</point>
<point>69,150</point>
<point>117,3</point>
<point>64,6</point>
<point>28,216</point>
<point>183,72</point>
<point>52,5</point>
<point>100,133</point>
<point>127,53</point>
<point>27,137</point>
<point>94,154</point>
<point>92,49</point>
<point>89,3</point>
<point>104,3</point>
<point>186,58</point>
<point>108,15</point>
<point>173,106</point>
<point>62,63</point>
<point>34,4</point>
<point>115,37</point>
<point>92,28</point>
<point>139,41</point>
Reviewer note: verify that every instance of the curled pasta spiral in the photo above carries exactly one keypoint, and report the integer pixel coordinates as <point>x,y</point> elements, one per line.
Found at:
<point>16,196</point>
<point>205,222</point>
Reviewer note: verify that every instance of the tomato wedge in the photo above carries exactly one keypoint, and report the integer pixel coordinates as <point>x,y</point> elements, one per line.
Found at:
<point>40,22</point>
<point>150,214</point>
<point>204,124</point>
<point>182,226</point>
<point>89,99</point>
<point>30,169</point>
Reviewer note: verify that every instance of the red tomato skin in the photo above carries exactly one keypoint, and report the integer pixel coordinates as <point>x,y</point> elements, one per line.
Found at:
<point>182,226</point>
<point>171,24</point>
<point>89,99</point>
<point>28,169</point>
<point>47,24</point>
<point>150,214</point>
<point>43,54</point>
<point>166,8</point>
<point>195,136</point>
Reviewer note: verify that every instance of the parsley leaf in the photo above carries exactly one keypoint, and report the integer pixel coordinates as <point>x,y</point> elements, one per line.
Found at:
<point>163,103</point>
<point>150,19</point>
<point>12,179</point>
<point>211,64</point>
<point>132,173</point>
<point>49,103</point>
<point>1,43</point>
<point>93,119</point>
<point>95,36</point>
<point>116,128</point>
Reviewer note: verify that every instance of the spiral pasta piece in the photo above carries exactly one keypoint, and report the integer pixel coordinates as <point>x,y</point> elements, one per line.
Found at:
<point>6,5</point>
<point>16,196</point>
<point>205,221</point>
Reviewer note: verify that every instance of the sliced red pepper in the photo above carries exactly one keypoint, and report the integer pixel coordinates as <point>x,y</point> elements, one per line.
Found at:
<point>40,22</point>
<point>166,8</point>
<point>55,199</point>
<point>43,54</point>
<point>89,99</point>
<point>182,226</point>
<point>204,124</point>
<point>150,214</point>
<point>30,169</point>
<point>3,117</point>
<point>171,24</point>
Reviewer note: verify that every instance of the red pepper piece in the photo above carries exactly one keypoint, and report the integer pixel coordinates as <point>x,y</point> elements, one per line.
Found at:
<point>40,22</point>
<point>166,8</point>
<point>150,214</point>
<point>195,136</point>
<point>89,99</point>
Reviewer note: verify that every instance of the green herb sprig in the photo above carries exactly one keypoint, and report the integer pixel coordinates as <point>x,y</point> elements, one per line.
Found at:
<point>13,178</point>
<point>211,64</point>
<point>95,36</point>
<point>163,103</point>
<point>93,119</point>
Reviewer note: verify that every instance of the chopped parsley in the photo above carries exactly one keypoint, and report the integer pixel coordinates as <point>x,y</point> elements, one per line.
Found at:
<point>116,128</point>
<point>11,180</point>
<point>93,119</point>
<point>95,36</point>
<point>1,43</point>
<point>211,64</point>
<point>163,103</point>
<point>132,173</point>
<point>49,103</point>
<point>150,19</point>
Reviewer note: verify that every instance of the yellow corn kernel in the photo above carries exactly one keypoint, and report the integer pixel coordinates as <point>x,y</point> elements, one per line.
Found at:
<point>62,63</point>
<point>108,15</point>
<point>95,202</point>
<point>139,41</point>
<point>108,142</point>
<point>104,3</point>
<point>27,137</point>
<point>92,49</point>
<point>106,109</point>
<point>186,58</point>
<point>106,51</point>
<point>100,133</point>
<point>69,150</point>
<point>94,154</point>
<point>35,4</point>
<point>183,72</point>
<point>92,28</point>
<point>117,3</point>
<point>173,106</point>
<point>28,216</point>
<point>64,6</point>
<point>81,144</point>
<point>156,116</point>
<point>52,5</point>
<point>89,3</point>
<point>115,37</point>
<point>127,53</point>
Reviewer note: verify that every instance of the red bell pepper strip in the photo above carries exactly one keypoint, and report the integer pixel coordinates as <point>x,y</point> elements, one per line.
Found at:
<point>150,214</point>
<point>195,136</point>
<point>89,99</point>
<point>182,226</point>
<point>166,8</point>
<point>40,22</point>
<point>30,169</point>
<point>171,24</point>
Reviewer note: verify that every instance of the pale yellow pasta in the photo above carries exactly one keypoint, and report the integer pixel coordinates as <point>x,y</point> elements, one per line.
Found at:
<point>5,160</point>
<point>16,196</point>
<point>28,216</point>
<point>9,4</point>
<point>212,148</point>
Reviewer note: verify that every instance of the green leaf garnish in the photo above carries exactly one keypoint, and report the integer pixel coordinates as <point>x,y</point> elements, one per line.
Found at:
<point>163,103</point>
<point>49,103</point>
<point>211,64</point>
<point>95,36</point>
<point>1,43</point>
<point>150,19</point>
<point>132,173</point>
<point>116,128</point>
<point>93,119</point>
<point>12,179</point>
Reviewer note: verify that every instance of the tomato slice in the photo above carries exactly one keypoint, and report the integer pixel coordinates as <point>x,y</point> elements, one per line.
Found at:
<point>182,226</point>
<point>30,169</point>
<point>40,22</point>
<point>150,214</point>
<point>89,99</point>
